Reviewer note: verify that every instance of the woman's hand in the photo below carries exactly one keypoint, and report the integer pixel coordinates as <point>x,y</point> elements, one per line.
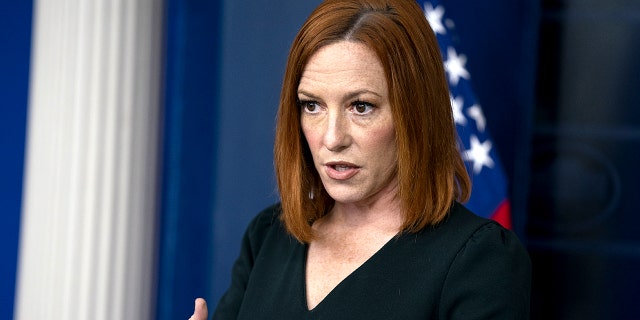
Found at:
<point>200,310</point>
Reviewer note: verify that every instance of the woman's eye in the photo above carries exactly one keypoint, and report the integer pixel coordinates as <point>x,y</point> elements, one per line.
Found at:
<point>309,106</point>
<point>361,107</point>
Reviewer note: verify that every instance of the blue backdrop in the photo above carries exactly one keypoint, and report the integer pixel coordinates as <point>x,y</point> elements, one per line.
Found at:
<point>15,46</point>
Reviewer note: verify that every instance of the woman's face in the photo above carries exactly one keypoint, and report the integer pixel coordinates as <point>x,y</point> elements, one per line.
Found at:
<point>347,122</point>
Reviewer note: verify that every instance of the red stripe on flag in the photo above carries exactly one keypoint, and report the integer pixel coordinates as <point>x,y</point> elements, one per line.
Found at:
<point>502,215</point>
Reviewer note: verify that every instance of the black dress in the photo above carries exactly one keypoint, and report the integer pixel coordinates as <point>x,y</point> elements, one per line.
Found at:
<point>467,267</point>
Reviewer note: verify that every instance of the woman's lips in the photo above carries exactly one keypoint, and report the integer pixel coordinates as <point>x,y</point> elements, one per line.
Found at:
<point>340,170</point>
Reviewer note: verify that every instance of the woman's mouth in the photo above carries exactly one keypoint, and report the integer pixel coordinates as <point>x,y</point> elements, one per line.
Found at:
<point>341,170</point>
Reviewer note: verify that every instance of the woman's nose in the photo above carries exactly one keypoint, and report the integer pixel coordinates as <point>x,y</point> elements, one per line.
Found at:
<point>337,132</point>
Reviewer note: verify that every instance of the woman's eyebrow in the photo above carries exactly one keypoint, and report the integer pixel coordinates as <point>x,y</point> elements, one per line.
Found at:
<point>307,94</point>
<point>361,92</point>
<point>349,95</point>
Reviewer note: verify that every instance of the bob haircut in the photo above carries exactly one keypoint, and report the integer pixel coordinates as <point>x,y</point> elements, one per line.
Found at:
<point>431,172</point>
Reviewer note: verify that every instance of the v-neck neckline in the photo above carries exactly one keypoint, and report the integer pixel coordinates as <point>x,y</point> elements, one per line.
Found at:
<point>354,273</point>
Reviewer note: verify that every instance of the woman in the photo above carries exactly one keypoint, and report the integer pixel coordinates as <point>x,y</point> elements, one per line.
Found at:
<point>369,173</point>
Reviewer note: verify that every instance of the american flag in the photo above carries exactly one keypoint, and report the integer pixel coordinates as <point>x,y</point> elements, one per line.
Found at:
<point>489,198</point>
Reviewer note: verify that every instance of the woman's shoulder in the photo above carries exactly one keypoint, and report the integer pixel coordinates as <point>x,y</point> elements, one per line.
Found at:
<point>489,263</point>
<point>266,223</point>
<point>267,217</point>
<point>462,224</point>
<point>463,231</point>
<point>460,216</point>
<point>487,236</point>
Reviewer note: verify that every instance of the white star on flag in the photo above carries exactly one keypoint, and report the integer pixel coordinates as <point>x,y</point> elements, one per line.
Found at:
<point>475,113</point>
<point>456,106</point>
<point>479,154</point>
<point>434,16</point>
<point>455,66</point>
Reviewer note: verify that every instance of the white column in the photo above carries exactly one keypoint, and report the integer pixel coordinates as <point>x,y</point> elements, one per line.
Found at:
<point>87,246</point>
